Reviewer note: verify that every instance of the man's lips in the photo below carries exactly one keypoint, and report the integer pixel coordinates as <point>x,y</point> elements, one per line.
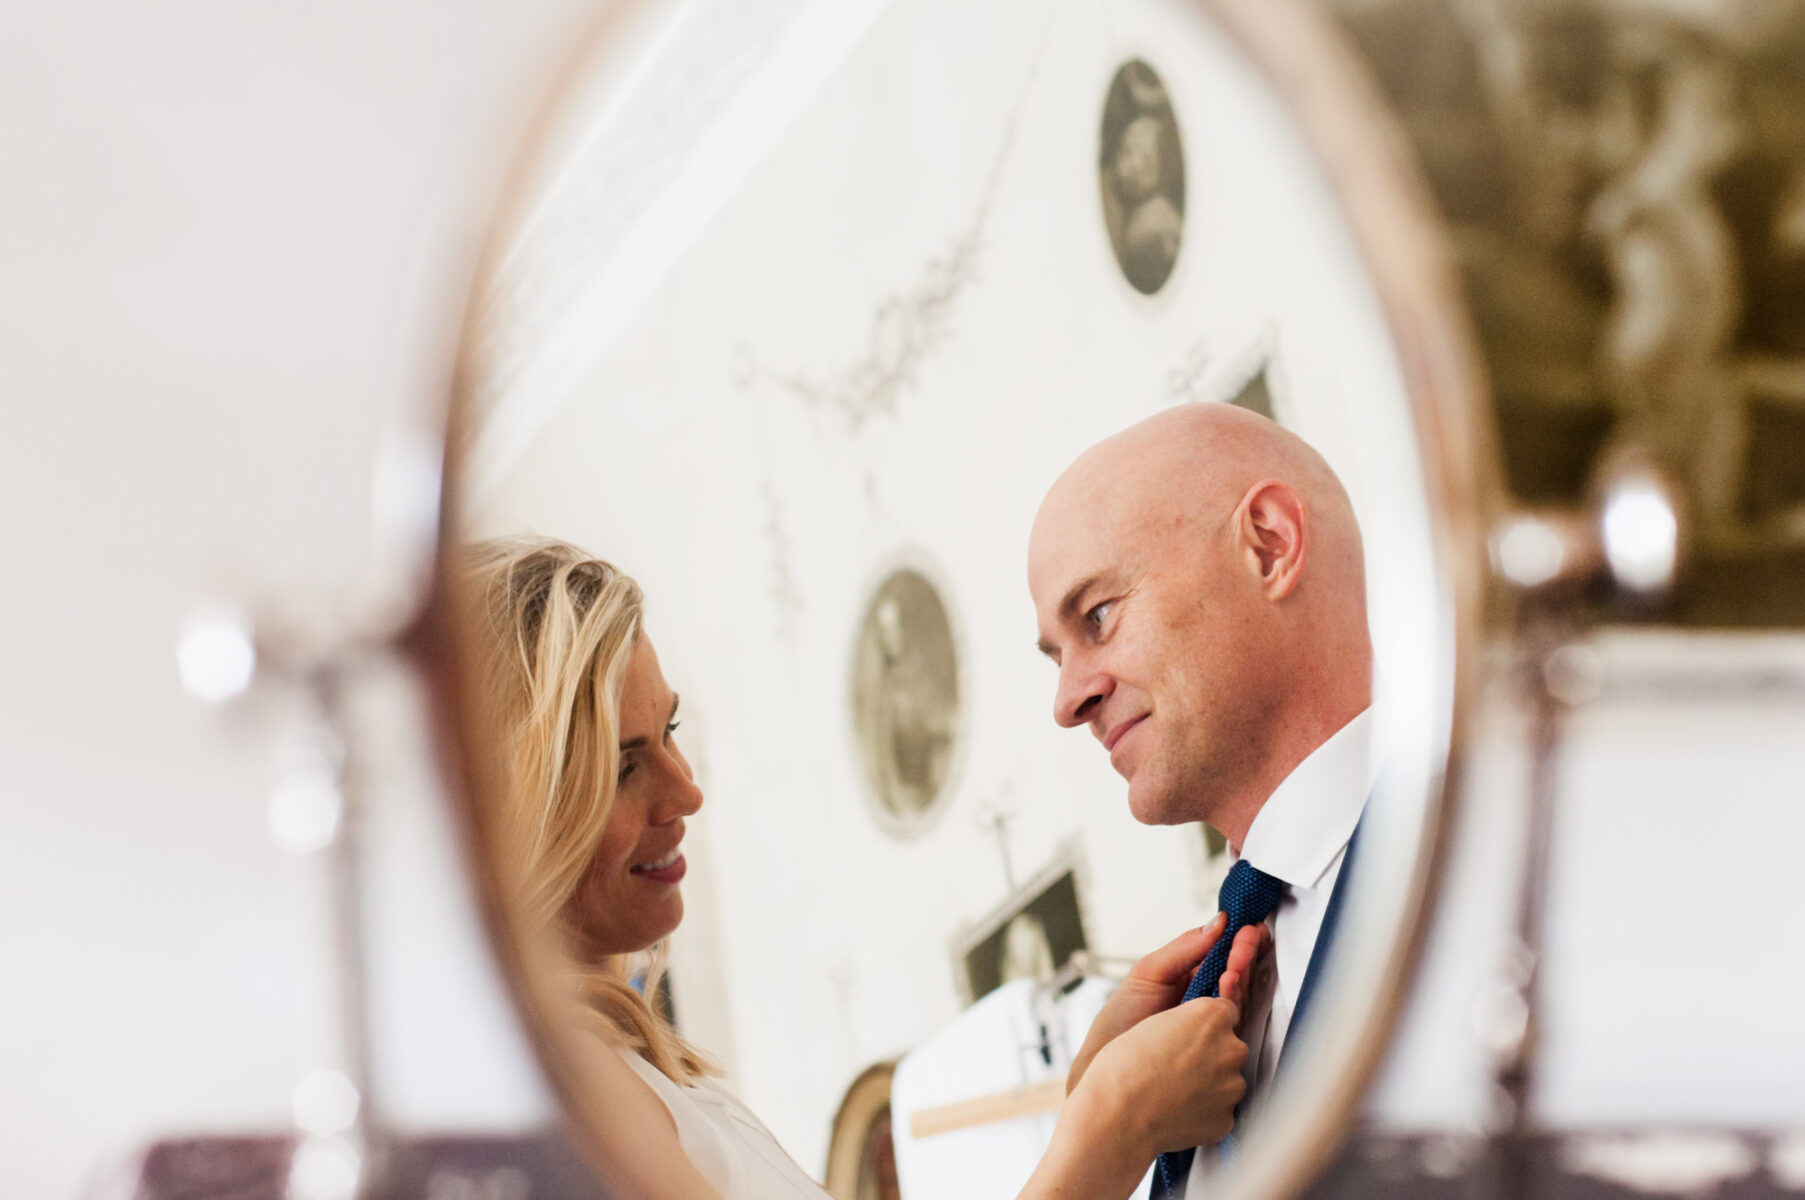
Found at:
<point>1115,735</point>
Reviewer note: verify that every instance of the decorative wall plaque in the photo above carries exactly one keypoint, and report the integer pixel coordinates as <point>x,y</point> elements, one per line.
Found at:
<point>1141,171</point>
<point>905,697</point>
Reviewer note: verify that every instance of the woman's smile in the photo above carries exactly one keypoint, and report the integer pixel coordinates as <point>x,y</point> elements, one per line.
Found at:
<point>670,868</point>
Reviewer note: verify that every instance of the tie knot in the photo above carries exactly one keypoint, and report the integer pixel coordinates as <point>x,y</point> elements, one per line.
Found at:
<point>1248,895</point>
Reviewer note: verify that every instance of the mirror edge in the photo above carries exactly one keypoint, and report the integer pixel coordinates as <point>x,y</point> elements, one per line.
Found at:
<point>438,641</point>
<point>1332,98</point>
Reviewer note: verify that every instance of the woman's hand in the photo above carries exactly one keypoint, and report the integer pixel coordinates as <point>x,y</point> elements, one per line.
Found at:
<point>1158,982</point>
<point>1153,1074</point>
<point>1175,1078</point>
<point>1169,1082</point>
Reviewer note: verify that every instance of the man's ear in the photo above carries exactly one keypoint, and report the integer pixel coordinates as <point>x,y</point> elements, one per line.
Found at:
<point>1272,531</point>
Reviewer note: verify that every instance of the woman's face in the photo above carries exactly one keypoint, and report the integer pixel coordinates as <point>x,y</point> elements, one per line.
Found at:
<point>629,898</point>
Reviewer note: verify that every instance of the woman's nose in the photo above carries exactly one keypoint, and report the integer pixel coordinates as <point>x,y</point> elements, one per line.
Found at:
<point>691,795</point>
<point>681,796</point>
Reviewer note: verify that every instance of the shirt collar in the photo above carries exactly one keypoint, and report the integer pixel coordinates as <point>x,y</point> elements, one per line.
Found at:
<point>1307,821</point>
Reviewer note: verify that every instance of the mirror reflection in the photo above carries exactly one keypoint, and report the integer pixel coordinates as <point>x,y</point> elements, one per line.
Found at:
<point>938,613</point>
<point>905,696</point>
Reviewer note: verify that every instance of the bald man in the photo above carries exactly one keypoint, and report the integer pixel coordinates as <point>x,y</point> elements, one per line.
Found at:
<point>1199,581</point>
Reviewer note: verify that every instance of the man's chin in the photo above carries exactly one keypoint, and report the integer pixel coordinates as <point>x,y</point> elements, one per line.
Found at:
<point>1152,805</point>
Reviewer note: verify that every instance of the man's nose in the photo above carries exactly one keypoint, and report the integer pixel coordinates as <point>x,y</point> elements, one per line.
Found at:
<point>1081,689</point>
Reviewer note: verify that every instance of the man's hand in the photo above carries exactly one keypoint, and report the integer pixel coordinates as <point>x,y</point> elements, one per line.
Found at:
<point>1158,982</point>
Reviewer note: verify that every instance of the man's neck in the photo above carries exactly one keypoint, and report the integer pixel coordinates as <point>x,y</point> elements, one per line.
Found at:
<point>1287,748</point>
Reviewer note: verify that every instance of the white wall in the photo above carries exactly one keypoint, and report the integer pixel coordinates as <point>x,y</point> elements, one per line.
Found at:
<point>233,237</point>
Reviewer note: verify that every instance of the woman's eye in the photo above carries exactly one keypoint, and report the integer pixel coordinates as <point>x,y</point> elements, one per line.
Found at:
<point>625,770</point>
<point>670,729</point>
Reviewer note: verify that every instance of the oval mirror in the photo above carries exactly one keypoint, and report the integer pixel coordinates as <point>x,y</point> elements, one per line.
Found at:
<point>795,315</point>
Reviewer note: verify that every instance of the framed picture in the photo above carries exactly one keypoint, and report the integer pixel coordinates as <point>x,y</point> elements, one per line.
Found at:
<point>861,1154</point>
<point>1141,174</point>
<point>1031,936</point>
<point>905,698</point>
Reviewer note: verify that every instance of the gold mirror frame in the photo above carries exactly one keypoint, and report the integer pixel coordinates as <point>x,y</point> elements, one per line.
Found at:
<point>1368,167</point>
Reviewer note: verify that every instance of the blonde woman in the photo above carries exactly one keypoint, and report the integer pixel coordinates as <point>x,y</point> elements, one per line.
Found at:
<point>597,796</point>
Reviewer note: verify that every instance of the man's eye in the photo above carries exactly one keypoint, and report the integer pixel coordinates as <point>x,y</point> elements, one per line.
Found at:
<point>1099,613</point>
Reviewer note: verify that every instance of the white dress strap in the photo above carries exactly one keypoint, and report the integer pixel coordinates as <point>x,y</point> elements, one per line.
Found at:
<point>725,1142</point>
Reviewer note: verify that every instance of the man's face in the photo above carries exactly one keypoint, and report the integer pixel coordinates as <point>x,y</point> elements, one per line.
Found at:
<point>1156,640</point>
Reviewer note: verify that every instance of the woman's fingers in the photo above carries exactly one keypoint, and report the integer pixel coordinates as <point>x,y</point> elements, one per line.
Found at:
<point>1249,941</point>
<point>1155,985</point>
<point>1176,961</point>
<point>1233,1008</point>
<point>1180,1073</point>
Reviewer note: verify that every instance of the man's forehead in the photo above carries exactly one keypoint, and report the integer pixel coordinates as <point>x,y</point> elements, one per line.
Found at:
<point>1074,563</point>
<point>1068,541</point>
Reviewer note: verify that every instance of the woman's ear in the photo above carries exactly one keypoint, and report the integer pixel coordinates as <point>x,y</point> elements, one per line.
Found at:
<point>1272,531</point>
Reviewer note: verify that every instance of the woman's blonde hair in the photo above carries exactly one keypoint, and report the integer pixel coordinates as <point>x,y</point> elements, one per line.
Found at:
<point>561,629</point>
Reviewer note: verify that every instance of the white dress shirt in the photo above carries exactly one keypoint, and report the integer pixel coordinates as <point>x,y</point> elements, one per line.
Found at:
<point>1300,835</point>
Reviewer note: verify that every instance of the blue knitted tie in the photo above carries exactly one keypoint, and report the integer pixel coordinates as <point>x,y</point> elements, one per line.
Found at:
<point>1248,896</point>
